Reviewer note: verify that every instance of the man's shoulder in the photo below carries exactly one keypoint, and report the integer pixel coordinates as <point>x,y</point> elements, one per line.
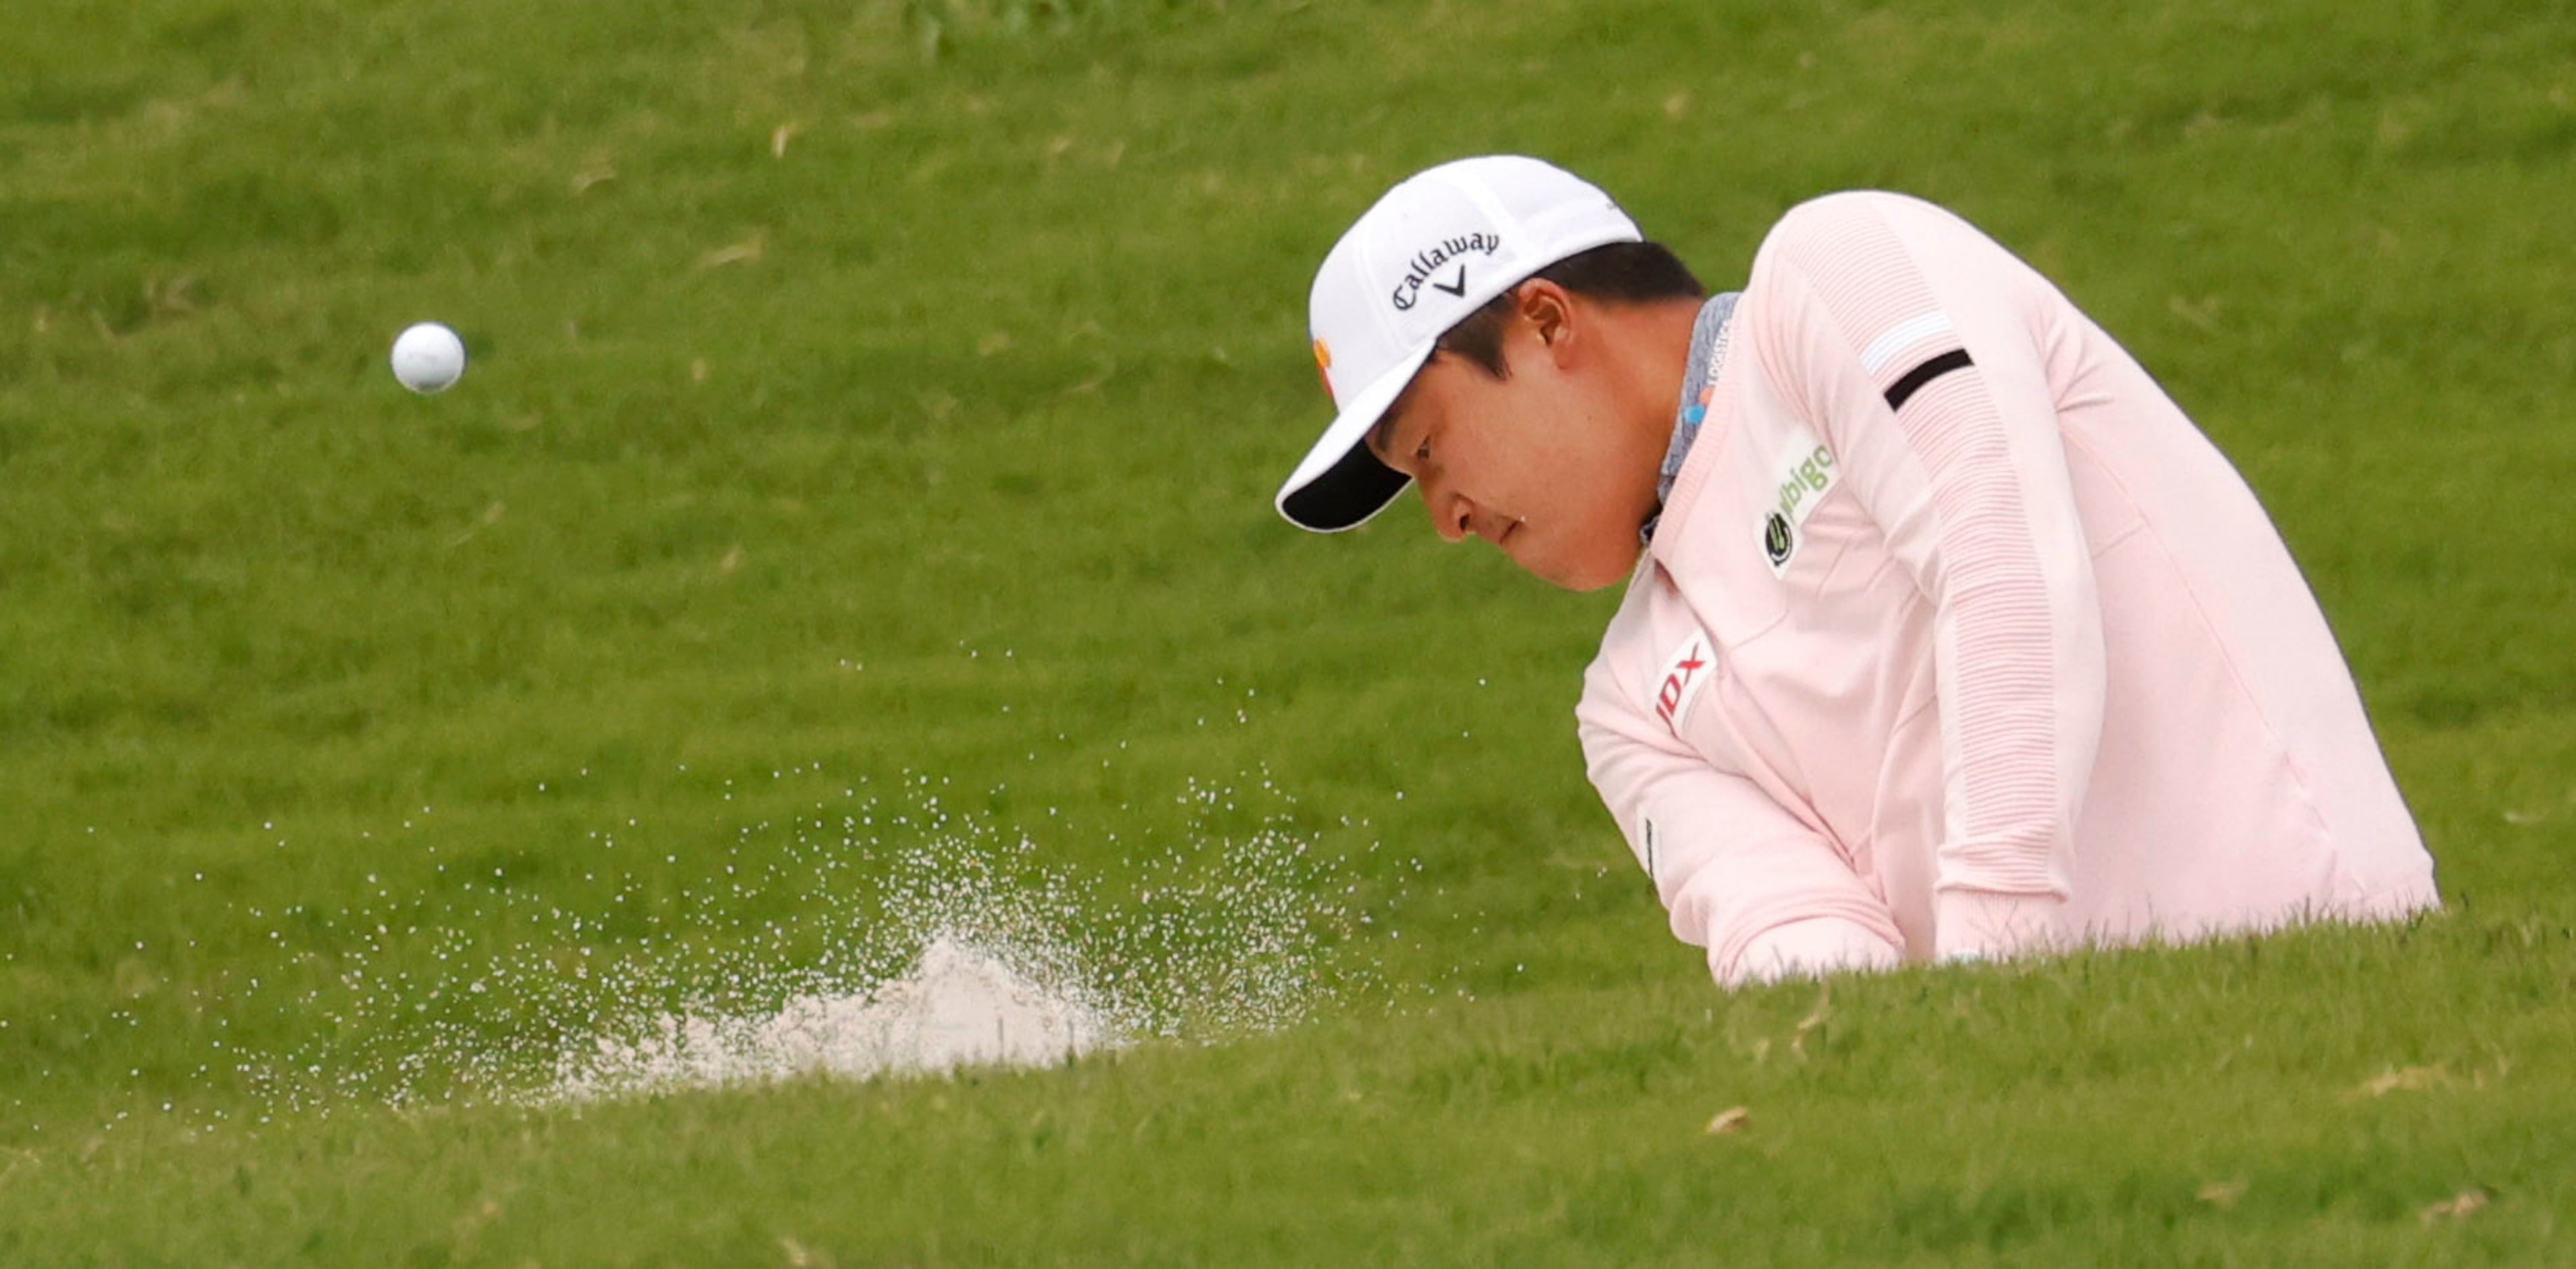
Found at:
<point>1831,211</point>
<point>1853,227</point>
<point>1858,250</point>
<point>1848,223</point>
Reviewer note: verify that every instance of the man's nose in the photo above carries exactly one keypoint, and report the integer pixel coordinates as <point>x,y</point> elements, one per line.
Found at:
<point>1451,513</point>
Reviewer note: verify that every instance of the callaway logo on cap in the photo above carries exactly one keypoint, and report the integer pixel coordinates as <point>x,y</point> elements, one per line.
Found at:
<point>1428,254</point>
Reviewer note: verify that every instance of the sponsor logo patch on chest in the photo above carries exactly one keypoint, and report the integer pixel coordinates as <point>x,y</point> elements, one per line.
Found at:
<point>1689,669</point>
<point>1803,475</point>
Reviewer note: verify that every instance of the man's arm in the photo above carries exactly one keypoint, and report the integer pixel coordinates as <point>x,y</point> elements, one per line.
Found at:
<point>1766,895</point>
<point>1898,332</point>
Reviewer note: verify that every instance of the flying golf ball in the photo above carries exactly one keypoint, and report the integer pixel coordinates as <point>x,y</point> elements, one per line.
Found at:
<point>428,357</point>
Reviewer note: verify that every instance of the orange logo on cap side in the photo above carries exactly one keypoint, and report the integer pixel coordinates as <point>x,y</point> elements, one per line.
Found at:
<point>1323,364</point>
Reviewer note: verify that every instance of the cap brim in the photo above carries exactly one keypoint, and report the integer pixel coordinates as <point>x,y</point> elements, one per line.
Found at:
<point>1340,485</point>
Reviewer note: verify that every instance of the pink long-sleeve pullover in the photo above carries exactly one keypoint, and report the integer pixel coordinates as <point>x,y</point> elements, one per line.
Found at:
<point>1957,638</point>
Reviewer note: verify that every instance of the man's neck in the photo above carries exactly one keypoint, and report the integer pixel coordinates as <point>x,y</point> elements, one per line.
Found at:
<point>1654,343</point>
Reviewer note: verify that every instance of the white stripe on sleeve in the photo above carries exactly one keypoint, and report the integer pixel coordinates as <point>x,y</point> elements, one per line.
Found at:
<point>1895,339</point>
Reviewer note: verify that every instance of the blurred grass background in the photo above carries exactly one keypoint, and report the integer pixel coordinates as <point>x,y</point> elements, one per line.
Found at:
<point>867,390</point>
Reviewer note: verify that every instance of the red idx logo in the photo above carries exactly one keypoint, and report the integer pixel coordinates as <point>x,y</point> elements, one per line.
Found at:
<point>1684,675</point>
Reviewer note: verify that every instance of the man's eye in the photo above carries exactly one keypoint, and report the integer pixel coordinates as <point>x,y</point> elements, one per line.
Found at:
<point>1422,452</point>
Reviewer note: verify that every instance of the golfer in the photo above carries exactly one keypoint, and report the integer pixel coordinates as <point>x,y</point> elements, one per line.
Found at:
<point>1947,635</point>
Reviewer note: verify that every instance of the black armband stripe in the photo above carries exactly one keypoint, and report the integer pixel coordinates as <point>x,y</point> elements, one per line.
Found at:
<point>1913,380</point>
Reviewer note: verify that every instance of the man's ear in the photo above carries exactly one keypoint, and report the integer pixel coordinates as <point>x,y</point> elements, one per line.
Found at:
<point>1549,312</point>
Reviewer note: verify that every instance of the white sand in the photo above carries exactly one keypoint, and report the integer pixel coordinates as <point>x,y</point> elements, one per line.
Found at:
<point>959,1006</point>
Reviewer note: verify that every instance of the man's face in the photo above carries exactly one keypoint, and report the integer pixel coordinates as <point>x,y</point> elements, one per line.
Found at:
<point>1534,462</point>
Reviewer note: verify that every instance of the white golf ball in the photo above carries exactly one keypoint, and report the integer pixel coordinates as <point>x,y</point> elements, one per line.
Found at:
<point>428,357</point>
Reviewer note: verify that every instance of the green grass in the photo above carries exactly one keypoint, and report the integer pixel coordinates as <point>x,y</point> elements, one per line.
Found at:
<point>940,443</point>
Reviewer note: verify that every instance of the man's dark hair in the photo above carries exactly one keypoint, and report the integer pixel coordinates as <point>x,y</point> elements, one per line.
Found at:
<point>1619,272</point>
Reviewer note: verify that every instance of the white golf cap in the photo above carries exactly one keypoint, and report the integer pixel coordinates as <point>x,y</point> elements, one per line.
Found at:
<point>1431,251</point>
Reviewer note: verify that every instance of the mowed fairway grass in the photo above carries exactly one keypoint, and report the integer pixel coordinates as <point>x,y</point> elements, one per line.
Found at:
<point>893,394</point>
